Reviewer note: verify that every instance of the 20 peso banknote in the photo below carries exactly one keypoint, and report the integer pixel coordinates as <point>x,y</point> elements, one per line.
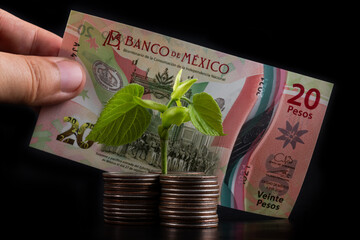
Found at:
<point>272,117</point>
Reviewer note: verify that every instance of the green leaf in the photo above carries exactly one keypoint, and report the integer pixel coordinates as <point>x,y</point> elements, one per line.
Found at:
<point>150,104</point>
<point>122,120</point>
<point>174,115</point>
<point>205,115</point>
<point>182,89</point>
<point>177,80</point>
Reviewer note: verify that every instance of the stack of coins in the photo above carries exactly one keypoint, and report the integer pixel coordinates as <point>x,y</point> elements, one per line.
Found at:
<point>131,198</point>
<point>189,201</point>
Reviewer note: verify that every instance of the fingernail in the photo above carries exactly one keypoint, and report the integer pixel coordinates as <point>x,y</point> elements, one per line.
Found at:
<point>71,75</point>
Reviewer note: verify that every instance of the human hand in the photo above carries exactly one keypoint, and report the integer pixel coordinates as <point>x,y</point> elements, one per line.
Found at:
<point>30,72</point>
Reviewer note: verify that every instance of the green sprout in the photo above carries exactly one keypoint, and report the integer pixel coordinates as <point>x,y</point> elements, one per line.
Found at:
<point>125,117</point>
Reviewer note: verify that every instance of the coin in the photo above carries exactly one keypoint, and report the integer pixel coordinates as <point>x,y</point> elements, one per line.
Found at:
<point>188,207</point>
<point>130,206</point>
<point>132,193</point>
<point>131,184</point>
<point>129,219</point>
<point>191,186</point>
<point>192,182</point>
<point>187,225</point>
<point>130,175</point>
<point>190,195</point>
<point>129,180</point>
<point>189,191</point>
<point>186,177</point>
<point>189,218</point>
<point>130,198</point>
<point>131,187</point>
<point>183,212</point>
<point>189,200</point>
<point>138,208</point>
<point>129,214</point>
<point>126,222</point>
<point>145,201</point>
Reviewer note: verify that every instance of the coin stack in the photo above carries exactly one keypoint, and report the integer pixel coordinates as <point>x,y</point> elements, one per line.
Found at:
<point>188,201</point>
<point>131,198</point>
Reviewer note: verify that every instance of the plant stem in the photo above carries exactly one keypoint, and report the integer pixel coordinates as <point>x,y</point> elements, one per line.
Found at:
<point>164,135</point>
<point>186,99</point>
<point>163,146</point>
<point>169,103</point>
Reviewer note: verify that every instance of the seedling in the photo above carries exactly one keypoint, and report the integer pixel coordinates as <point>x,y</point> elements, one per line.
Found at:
<point>125,117</point>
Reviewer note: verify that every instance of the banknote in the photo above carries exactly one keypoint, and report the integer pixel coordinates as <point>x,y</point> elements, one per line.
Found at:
<point>271,117</point>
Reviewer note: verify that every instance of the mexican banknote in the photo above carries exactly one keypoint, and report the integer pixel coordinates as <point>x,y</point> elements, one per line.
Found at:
<point>272,117</point>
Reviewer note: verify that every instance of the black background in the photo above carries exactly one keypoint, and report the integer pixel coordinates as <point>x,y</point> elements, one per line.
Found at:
<point>46,195</point>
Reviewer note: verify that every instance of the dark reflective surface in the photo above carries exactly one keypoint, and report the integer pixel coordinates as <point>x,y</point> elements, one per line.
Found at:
<point>275,229</point>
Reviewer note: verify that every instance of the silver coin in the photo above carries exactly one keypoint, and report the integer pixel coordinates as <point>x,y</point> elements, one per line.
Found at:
<point>187,225</point>
<point>192,182</point>
<point>130,184</point>
<point>124,222</point>
<point>188,207</point>
<point>194,195</point>
<point>129,218</point>
<point>187,177</point>
<point>141,209</point>
<point>132,193</point>
<point>186,213</point>
<point>178,200</point>
<point>130,180</point>
<point>130,175</point>
<point>191,186</point>
<point>131,187</point>
<point>130,214</point>
<point>129,196</point>
<point>189,191</point>
<point>131,205</point>
<point>190,221</point>
<point>189,218</point>
<point>145,201</point>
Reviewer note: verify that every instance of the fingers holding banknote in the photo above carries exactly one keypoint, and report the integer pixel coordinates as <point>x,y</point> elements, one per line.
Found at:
<point>30,72</point>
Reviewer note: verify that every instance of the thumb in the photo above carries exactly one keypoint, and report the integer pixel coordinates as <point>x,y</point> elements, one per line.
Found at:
<point>35,80</point>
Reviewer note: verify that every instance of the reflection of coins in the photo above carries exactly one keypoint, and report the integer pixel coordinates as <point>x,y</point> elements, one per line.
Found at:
<point>107,76</point>
<point>131,199</point>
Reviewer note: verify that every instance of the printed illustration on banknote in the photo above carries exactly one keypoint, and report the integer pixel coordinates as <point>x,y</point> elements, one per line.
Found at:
<point>272,117</point>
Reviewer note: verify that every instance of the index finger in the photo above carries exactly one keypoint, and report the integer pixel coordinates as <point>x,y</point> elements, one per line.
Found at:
<point>20,37</point>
